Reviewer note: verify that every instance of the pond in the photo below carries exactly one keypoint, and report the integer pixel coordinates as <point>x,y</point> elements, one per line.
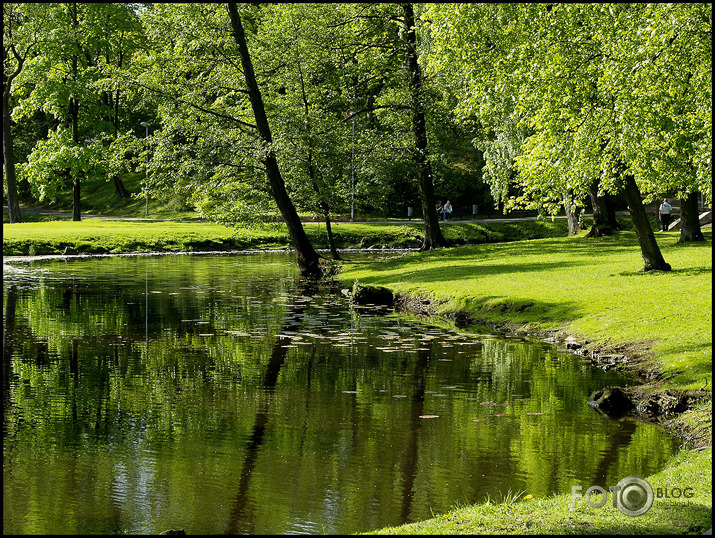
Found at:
<point>221,394</point>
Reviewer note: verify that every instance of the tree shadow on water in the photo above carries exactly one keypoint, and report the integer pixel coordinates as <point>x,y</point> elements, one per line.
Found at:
<point>241,518</point>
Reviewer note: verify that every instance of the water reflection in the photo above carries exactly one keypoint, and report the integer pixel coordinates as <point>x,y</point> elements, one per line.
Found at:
<point>222,395</point>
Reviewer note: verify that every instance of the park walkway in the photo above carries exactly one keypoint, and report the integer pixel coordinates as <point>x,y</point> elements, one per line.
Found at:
<point>65,214</point>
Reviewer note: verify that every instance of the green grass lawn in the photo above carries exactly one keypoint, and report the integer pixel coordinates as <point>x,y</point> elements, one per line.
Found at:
<point>121,236</point>
<point>115,236</point>
<point>590,288</point>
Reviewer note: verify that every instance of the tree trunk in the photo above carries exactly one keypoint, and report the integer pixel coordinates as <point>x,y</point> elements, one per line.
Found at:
<point>8,153</point>
<point>74,113</point>
<point>611,212</point>
<point>603,224</point>
<point>690,219</point>
<point>13,202</point>
<point>650,250</point>
<point>572,216</point>
<point>433,233</point>
<point>329,231</point>
<point>119,188</point>
<point>306,256</point>
<point>76,216</point>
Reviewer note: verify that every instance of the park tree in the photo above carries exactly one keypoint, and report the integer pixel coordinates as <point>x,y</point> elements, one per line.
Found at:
<point>331,82</point>
<point>199,73</point>
<point>67,80</point>
<point>307,258</point>
<point>22,30</point>
<point>665,114</point>
<point>304,48</point>
<point>563,70</point>
<point>433,234</point>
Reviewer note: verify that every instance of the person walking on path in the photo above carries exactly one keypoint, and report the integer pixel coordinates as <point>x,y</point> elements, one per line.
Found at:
<point>664,214</point>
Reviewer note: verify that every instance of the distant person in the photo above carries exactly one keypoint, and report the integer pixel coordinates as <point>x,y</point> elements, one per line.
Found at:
<point>440,209</point>
<point>447,210</point>
<point>664,214</point>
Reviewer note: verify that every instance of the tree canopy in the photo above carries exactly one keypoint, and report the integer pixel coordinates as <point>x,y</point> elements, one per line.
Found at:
<point>524,105</point>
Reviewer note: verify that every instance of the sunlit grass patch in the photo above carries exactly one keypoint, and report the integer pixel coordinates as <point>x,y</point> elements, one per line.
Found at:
<point>590,288</point>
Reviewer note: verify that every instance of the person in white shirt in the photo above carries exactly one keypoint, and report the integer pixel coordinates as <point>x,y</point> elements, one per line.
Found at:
<point>448,210</point>
<point>664,214</point>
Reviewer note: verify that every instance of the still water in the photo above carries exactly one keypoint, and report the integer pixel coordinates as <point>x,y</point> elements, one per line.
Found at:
<point>219,394</point>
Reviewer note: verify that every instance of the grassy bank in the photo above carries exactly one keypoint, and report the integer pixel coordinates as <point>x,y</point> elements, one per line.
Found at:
<point>659,325</point>
<point>522,513</point>
<point>95,236</point>
<point>589,288</point>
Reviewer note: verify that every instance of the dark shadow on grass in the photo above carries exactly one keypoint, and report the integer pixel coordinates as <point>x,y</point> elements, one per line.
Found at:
<point>688,271</point>
<point>543,310</point>
<point>449,272</point>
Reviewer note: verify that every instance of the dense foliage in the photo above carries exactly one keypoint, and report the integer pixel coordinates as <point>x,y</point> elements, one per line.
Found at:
<point>526,105</point>
<point>569,93</point>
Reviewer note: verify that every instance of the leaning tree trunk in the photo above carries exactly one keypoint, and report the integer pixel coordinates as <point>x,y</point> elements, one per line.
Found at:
<point>603,223</point>
<point>433,233</point>
<point>650,250</point>
<point>306,256</point>
<point>690,219</point>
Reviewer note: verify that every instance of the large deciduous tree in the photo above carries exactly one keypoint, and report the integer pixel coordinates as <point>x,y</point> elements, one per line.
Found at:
<point>586,79</point>
<point>307,258</point>
<point>67,81</point>
<point>22,29</point>
<point>433,234</point>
